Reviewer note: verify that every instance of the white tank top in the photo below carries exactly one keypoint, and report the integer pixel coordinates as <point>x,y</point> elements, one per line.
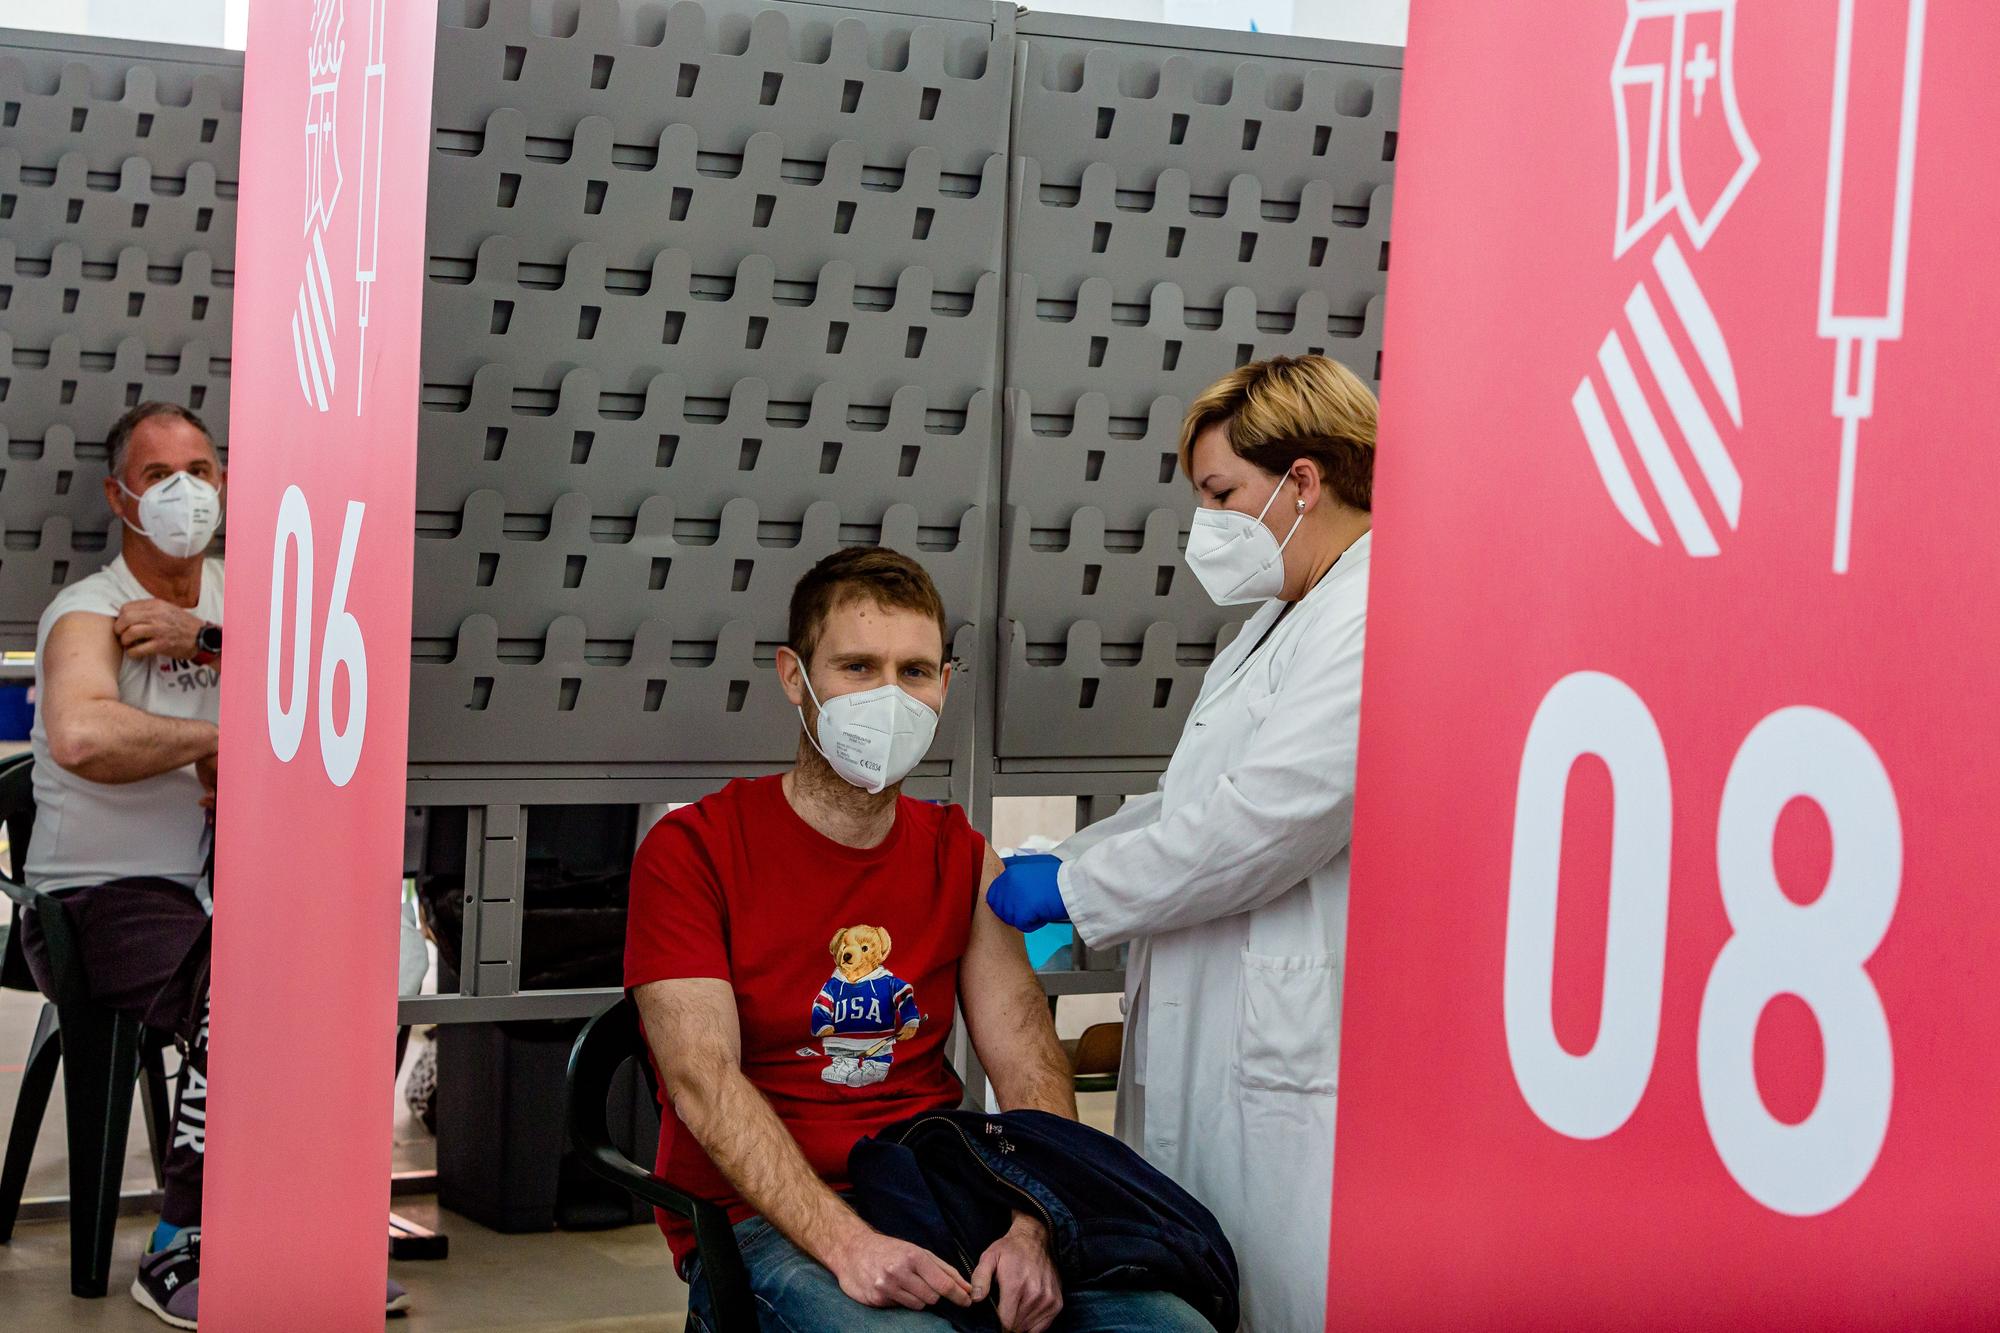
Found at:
<point>91,832</point>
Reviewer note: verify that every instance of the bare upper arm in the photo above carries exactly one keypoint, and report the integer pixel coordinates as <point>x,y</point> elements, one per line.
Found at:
<point>1007,1013</point>
<point>691,1025</point>
<point>996,955</point>
<point>80,661</point>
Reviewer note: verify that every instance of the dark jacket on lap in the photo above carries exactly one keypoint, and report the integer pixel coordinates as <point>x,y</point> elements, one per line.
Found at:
<point>951,1181</point>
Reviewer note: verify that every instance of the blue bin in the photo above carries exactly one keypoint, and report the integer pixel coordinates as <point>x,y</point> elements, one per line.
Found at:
<point>1045,943</point>
<point>17,710</point>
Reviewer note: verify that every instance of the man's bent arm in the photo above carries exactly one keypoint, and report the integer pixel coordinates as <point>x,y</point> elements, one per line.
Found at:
<point>692,1028</point>
<point>91,732</point>
<point>1007,1014</point>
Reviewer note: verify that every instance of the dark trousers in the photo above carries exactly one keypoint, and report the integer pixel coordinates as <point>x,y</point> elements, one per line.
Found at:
<point>145,953</point>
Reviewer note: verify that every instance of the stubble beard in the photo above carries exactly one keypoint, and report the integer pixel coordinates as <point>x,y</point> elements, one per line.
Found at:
<point>815,780</point>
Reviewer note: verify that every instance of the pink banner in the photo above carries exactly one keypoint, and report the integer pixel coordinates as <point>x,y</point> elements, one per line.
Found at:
<point>315,701</point>
<point>1670,995</point>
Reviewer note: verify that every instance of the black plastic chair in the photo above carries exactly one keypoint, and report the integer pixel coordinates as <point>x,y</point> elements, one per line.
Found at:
<point>104,1054</point>
<point>602,1048</point>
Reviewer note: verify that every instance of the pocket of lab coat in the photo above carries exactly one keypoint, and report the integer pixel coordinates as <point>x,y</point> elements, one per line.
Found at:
<point>1288,1024</point>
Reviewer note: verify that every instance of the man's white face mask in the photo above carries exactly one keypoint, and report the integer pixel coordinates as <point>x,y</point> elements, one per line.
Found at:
<point>179,514</point>
<point>872,738</point>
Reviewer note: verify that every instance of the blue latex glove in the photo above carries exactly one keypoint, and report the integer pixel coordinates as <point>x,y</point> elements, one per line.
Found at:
<point>1025,896</point>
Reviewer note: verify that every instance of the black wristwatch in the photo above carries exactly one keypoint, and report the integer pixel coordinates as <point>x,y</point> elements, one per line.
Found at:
<point>208,644</point>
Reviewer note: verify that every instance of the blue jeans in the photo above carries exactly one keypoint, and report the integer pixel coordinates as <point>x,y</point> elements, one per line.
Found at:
<point>795,1294</point>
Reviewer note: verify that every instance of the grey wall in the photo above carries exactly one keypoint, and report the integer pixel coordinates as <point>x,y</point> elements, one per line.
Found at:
<point>1183,202</point>
<point>117,244</point>
<point>714,289</point>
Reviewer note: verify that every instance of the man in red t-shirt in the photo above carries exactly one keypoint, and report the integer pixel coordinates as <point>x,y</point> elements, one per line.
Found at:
<point>796,945</point>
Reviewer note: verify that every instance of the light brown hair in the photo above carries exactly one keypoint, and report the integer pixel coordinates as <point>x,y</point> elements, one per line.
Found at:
<point>1288,408</point>
<point>887,578</point>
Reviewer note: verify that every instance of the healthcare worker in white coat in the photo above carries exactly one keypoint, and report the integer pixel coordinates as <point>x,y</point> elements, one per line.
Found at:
<point>1230,881</point>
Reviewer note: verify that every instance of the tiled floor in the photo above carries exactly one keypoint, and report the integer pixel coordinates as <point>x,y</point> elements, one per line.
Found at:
<point>608,1280</point>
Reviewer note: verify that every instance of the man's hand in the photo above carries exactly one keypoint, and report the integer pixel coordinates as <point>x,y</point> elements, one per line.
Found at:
<point>695,1033</point>
<point>881,1271</point>
<point>205,769</point>
<point>153,628</point>
<point>1019,1265</point>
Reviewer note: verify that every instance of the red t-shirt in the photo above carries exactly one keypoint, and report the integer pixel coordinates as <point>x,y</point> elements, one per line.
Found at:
<point>834,953</point>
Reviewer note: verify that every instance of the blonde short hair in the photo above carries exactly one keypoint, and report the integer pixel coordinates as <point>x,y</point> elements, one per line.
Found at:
<point>1288,408</point>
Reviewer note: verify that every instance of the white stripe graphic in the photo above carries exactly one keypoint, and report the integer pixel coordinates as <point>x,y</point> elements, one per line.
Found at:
<point>1610,463</point>
<point>319,323</point>
<point>325,282</point>
<point>1668,482</point>
<point>1699,321</point>
<point>312,352</point>
<point>299,358</point>
<point>1682,400</point>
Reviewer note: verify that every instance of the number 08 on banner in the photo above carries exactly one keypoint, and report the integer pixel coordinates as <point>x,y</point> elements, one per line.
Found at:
<point>1817,951</point>
<point>339,639</point>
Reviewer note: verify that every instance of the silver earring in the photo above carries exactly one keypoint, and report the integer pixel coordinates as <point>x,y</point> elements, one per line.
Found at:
<point>1302,506</point>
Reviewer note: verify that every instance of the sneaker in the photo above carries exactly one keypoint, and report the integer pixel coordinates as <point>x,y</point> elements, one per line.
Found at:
<point>169,1282</point>
<point>168,1279</point>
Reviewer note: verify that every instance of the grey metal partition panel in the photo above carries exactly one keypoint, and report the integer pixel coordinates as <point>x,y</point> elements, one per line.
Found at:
<point>713,290</point>
<point>813,74</point>
<point>164,305</point>
<point>117,256</point>
<point>1122,584</point>
<point>793,332</point>
<point>174,106</point>
<point>1120,701</point>
<point>169,217</point>
<point>733,202</point>
<point>534,446</point>
<point>1183,201</point>
<point>658,700</point>
<point>700,575</point>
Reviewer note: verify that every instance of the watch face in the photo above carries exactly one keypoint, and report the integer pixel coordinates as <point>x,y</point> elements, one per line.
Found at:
<point>210,638</point>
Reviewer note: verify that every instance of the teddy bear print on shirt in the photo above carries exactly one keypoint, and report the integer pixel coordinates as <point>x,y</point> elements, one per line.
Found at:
<point>863,1010</point>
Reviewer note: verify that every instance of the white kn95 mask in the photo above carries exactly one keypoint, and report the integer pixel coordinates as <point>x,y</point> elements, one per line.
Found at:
<point>179,514</point>
<point>1235,556</point>
<point>872,738</point>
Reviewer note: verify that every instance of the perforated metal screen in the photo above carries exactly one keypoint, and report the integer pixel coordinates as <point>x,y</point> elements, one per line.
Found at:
<point>714,289</point>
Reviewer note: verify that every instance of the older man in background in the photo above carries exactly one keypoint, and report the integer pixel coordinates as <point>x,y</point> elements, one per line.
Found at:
<point>128,668</point>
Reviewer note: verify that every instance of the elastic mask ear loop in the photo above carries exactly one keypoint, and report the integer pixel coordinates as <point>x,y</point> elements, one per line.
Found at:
<point>819,709</point>
<point>136,497</point>
<point>1295,522</point>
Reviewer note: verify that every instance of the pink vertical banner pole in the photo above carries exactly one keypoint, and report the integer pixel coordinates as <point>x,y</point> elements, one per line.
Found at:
<point>315,695</point>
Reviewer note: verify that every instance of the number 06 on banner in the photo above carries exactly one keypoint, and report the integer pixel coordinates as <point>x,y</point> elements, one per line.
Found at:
<point>340,643</point>
<point>1817,951</point>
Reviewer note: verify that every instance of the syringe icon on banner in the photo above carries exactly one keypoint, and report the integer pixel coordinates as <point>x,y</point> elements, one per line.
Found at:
<point>368,207</point>
<point>1865,255</point>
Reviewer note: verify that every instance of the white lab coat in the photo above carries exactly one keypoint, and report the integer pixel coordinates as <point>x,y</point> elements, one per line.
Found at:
<point>1231,883</point>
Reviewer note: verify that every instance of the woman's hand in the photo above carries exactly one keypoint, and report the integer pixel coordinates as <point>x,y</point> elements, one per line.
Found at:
<point>1026,895</point>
